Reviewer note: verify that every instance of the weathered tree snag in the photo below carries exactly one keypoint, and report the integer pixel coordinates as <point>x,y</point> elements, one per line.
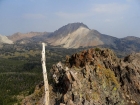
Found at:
<point>46,85</point>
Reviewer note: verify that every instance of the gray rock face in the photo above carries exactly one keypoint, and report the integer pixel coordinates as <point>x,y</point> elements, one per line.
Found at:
<point>88,86</point>
<point>93,77</point>
<point>130,77</point>
<point>97,77</point>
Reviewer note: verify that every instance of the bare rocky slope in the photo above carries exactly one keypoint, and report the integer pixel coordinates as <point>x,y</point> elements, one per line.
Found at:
<point>4,39</point>
<point>92,77</point>
<point>75,35</point>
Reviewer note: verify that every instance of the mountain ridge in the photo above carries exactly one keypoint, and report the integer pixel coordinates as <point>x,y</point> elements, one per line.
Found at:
<point>19,36</point>
<point>76,35</point>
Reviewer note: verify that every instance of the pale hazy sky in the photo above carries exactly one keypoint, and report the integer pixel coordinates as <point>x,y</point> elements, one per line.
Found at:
<point>117,18</point>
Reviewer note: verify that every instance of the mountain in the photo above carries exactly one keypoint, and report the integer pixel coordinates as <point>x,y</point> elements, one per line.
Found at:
<point>4,39</point>
<point>92,77</point>
<point>76,35</point>
<point>20,36</point>
<point>69,28</point>
<point>127,45</point>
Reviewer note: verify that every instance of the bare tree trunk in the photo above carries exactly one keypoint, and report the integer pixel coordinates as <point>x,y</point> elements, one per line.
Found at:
<point>46,85</point>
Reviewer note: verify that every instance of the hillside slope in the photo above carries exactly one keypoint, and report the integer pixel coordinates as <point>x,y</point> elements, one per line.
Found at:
<point>19,36</point>
<point>75,35</point>
<point>76,39</point>
<point>4,39</point>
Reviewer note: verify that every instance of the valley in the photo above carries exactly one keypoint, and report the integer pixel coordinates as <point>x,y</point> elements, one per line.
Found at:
<point>21,70</point>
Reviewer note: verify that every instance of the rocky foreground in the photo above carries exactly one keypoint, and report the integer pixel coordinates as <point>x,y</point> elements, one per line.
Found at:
<point>92,77</point>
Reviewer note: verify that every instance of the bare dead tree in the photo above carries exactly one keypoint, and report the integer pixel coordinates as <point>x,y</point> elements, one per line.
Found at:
<point>46,85</point>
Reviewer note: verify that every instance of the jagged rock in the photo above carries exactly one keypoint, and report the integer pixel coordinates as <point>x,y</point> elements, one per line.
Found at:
<point>85,86</point>
<point>96,77</point>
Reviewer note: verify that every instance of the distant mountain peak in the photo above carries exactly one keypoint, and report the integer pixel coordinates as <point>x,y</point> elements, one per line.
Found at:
<point>76,25</point>
<point>69,28</point>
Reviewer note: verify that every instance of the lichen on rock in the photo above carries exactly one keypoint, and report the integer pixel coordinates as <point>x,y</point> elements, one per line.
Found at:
<point>96,77</point>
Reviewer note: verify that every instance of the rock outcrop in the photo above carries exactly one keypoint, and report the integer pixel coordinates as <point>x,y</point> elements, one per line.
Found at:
<point>96,77</point>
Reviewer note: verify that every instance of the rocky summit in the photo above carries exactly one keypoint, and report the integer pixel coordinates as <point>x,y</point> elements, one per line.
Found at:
<point>94,77</point>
